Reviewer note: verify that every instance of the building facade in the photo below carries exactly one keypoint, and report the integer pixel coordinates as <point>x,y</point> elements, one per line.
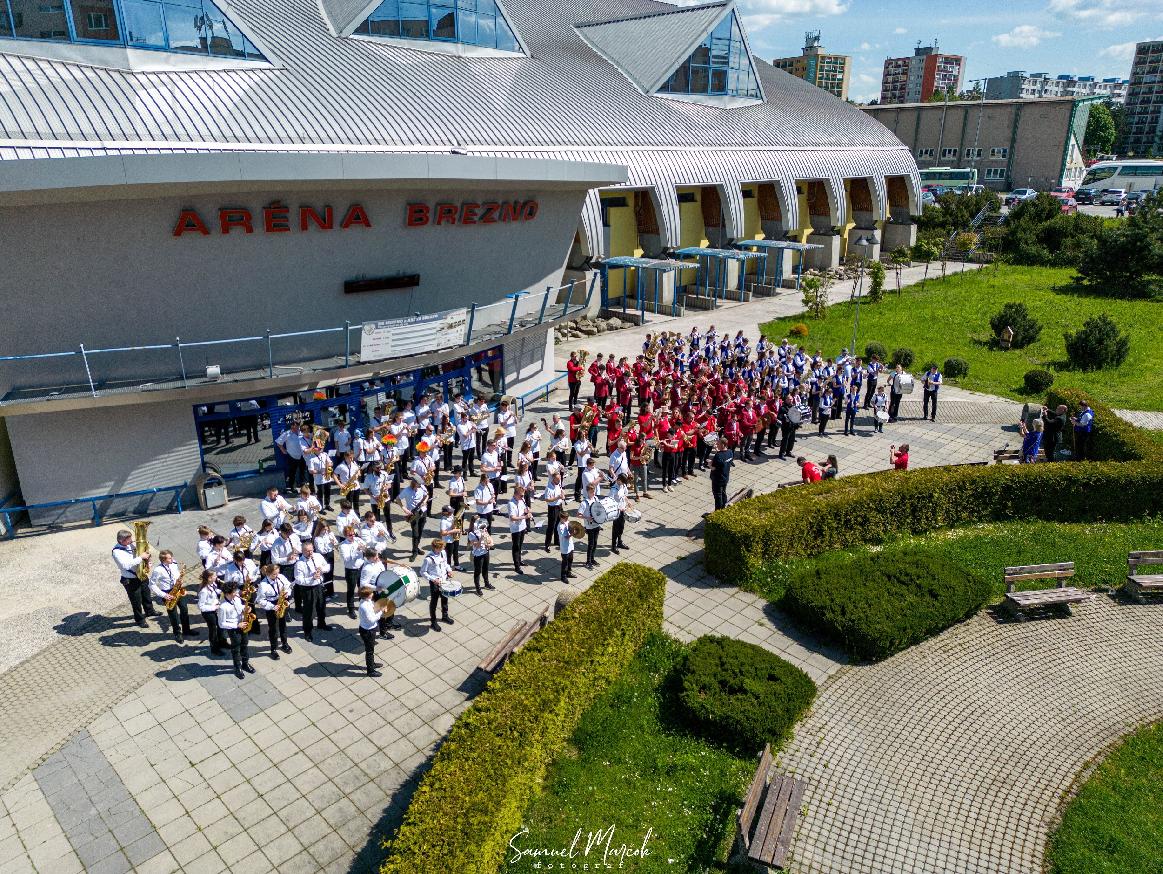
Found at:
<point>298,211</point>
<point>915,78</point>
<point>1018,84</point>
<point>813,64</point>
<point>1143,129</point>
<point>1011,143</point>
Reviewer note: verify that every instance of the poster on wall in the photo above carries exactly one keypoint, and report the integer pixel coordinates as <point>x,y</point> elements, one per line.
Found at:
<point>394,338</point>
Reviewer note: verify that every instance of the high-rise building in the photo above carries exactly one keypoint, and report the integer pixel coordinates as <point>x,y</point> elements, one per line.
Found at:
<point>1143,128</point>
<point>1018,84</point>
<point>914,79</point>
<point>830,72</point>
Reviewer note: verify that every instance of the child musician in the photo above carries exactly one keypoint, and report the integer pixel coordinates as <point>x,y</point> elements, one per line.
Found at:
<point>369,622</point>
<point>267,599</point>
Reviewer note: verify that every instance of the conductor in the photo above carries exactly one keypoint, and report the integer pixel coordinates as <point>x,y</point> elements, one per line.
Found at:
<point>721,463</point>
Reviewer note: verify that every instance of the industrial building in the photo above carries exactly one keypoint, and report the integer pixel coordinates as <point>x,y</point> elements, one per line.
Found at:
<point>221,214</point>
<point>823,69</point>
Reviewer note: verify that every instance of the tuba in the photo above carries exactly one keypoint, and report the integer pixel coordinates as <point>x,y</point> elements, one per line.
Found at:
<point>141,547</point>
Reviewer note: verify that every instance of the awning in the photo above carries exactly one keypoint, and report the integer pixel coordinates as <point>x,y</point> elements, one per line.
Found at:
<point>778,244</point>
<point>646,263</point>
<point>722,254</point>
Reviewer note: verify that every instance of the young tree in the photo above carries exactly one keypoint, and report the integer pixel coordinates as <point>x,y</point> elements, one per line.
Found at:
<point>926,252</point>
<point>900,259</point>
<point>1100,130</point>
<point>876,282</point>
<point>815,297</point>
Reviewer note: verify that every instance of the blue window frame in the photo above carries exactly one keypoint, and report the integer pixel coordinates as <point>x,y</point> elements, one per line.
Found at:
<point>470,22</point>
<point>720,66</point>
<point>195,27</point>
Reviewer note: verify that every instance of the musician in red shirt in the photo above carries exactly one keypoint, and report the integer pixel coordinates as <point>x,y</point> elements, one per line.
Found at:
<point>573,378</point>
<point>669,443</point>
<point>601,387</point>
<point>690,443</point>
<point>592,433</point>
<point>748,424</point>
<point>707,425</point>
<point>574,432</point>
<point>731,432</point>
<point>623,392</point>
<point>596,366</point>
<point>638,462</point>
<point>613,427</point>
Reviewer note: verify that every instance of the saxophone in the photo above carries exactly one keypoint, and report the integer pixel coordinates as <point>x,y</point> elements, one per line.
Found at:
<point>246,621</point>
<point>177,592</point>
<point>281,602</point>
<point>141,547</point>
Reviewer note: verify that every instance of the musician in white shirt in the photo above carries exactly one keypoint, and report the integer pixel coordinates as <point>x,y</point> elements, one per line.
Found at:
<point>318,466</point>
<point>344,473</point>
<point>309,571</point>
<point>370,617</point>
<point>456,490</point>
<point>591,476</point>
<point>219,555</point>
<point>162,580</point>
<point>519,518</point>
<point>284,551</point>
<point>481,416</point>
<point>435,570</point>
<point>552,465</point>
<point>351,550</point>
<point>565,543</point>
<point>448,524</point>
<point>619,461</point>
<point>620,493</point>
<point>581,452</point>
<point>484,498</point>
<point>127,565</point>
<point>533,438</point>
<point>480,543</point>
<point>275,507</point>
<point>554,497</point>
<point>309,504</point>
<point>378,486</point>
<point>414,501</point>
<point>348,515</point>
<point>507,419</point>
<point>342,438</point>
<point>491,467</point>
<point>240,532</point>
<point>374,533</point>
<point>267,600</point>
<point>240,571</point>
<point>205,543</point>
<point>263,539</point>
<point>466,432</point>
<point>325,543</point>
<point>230,612</point>
<point>593,527</point>
<point>209,597</point>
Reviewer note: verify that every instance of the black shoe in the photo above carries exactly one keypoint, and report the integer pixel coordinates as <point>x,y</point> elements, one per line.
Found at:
<point>614,550</point>
<point>142,624</point>
<point>589,567</point>
<point>350,614</point>
<point>436,627</point>
<point>309,638</point>
<point>274,655</point>
<point>247,667</point>
<point>447,619</point>
<point>374,674</point>
<point>571,575</point>
<point>238,673</point>
<point>479,592</point>
<point>178,639</point>
<point>489,586</point>
<point>323,626</point>
<point>191,632</point>
<point>622,545</point>
<point>383,635</point>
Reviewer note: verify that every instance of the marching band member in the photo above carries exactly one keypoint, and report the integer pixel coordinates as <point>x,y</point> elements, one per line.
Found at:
<point>481,417</point>
<point>484,498</point>
<point>669,444</point>
<point>524,478</point>
<point>370,618</point>
<point>366,449</point>
<point>581,454</point>
<point>561,447</point>
<point>127,565</point>
<point>456,490</point>
<point>640,465</point>
<point>317,466</point>
<point>230,612</point>
<point>447,440</point>
<point>373,533</point>
<point>480,543</point>
<point>373,565</point>
<point>619,491</point>
<point>205,543</point>
<point>413,501</point>
<point>450,537</point>
<point>308,504</point>
<point>466,432</point>
<point>554,497</point>
<point>267,599</point>
<point>162,580</point>
<point>435,570</point>
<point>348,516</point>
<point>240,532</point>
<point>573,372</point>
<point>309,570</point>
<point>285,552</point>
<point>304,527</point>
<point>519,518</point>
<point>593,528</point>
<point>507,419</point>
<point>209,597</point>
<point>378,486</point>
<point>566,545</point>
<point>619,461</point>
<point>351,551</point>
<point>341,437</point>
<point>525,454</point>
<point>219,555</point>
<point>491,466</point>
<point>591,476</point>
<point>325,544</point>
<point>346,474</point>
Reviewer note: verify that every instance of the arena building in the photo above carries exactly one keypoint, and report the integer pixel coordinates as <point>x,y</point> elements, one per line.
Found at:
<point>216,213</point>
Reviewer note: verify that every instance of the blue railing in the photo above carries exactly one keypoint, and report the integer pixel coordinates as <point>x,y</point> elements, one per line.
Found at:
<point>97,515</point>
<point>541,389</point>
<point>517,311</point>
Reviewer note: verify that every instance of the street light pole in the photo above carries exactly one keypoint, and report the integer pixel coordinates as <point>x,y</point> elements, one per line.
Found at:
<point>862,246</point>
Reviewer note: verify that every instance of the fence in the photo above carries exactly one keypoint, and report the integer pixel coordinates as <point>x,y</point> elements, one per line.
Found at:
<point>58,512</point>
<point>180,364</point>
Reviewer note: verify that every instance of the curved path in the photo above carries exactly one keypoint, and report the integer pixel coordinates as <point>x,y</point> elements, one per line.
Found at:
<point>955,755</point>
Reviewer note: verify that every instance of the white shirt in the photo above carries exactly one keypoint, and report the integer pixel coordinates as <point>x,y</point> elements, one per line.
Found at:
<point>325,543</point>
<point>565,538</point>
<point>476,541</point>
<point>342,438</point>
<point>347,519</point>
<point>126,561</point>
<point>284,550</point>
<point>508,420</point>
<point>218,558</point>
<point>163,578</point>
<point>236,535</point>
<point>264,539</point>
<point>447,523</point>
<point>234,574</point>
<point>345,473</point>
<point>377,485</point>
<point>592,476</point>
<point>434,568</point>
<point>204,548</point>
<point>517,510</point>
<point>370,572</point>
<point>351,551</point>
<point>555,466</point>
<point>620,492</point>
<point>456,487</point>
<point>275,510</point>
<point>294,444</point>
<point>209,597</point>
<point>587,519</point>
<point>230,612</point>
<point>374,535</point>
<point>619,463</point>
<point>309,505</point>
<point>534,438</point>
<point>491,463</point>
<point>306,569</point>
<point>413,498</point>
<point>317,465</point>
<point>582,449</point>
<point>467,430</point>
<point>484,496</point>
<point>481,410</point>
<point>267,596</point>
<point>369,616</point>
<point>553,494</point>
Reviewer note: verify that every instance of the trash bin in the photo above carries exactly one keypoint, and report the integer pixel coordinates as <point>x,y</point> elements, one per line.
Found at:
<point>211,490</point>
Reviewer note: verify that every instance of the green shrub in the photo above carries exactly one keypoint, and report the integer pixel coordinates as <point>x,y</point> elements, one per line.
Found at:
<point>955,368</point>
<point>1015,315</point>
<point>868,508</point>
<point>1115,439</point>
<point>1098,344</point>
<point>799,329</point>
<point>875,606</point>
<point>875,349</point>
<point>903,356</point>
<point>1037,381</point>
<point>741,695</point>
<point>495,757</point>
<point>876,273</point>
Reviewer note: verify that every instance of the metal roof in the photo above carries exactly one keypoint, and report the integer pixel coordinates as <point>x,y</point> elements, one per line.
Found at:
<point>647,263</point>
<point>777,244</point>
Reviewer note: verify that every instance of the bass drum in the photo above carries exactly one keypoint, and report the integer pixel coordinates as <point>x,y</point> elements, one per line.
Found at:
<point>399,583</point>
<point>604,510</point>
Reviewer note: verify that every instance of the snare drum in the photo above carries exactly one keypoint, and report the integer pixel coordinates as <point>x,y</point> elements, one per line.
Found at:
<point>633,515</point>
<point>399,583</point>
<point>882,416</point>
<point>451,589</point>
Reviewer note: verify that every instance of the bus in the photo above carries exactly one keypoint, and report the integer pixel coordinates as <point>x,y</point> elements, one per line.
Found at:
<point>949,177</point>
<point>1129,175</point>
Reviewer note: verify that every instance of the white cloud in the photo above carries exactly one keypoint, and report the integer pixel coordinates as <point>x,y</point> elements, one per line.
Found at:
<point>758,14</point>
<point>900,30</point>
<point>1105,14</point>
<point>1024,36</point>
<point>865,46</point>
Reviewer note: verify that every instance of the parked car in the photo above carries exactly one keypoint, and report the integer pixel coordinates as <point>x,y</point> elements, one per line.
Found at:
<point>1018,195</point>
<point>1112,196</point>
<point>1134,198</point>
<point>928,199</point>
<point>1062,189</point>
<point>1086,195</point>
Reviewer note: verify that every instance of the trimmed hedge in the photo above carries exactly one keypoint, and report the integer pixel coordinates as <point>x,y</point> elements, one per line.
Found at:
<point>739,694</point>
<point>1037,381</point>
<point>1115,439</point>
<point>495,757</point>
<point>875,606</point>
<point>868,508</point>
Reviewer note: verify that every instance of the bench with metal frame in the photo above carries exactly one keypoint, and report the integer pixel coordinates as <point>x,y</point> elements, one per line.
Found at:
<point>1060,597</point>
<point>1005,455</point>
<point>1140,584</point>
<point>772,808</point>
<point>517,637</point>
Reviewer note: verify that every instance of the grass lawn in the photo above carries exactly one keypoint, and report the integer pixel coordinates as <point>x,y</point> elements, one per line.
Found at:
<point>950,319</point>
<point>1098,550</point>
<point>630,767</point>
<point>1115,823</point>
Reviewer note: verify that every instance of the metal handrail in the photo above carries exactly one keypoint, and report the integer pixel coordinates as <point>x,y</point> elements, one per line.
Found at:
<point>546,388</point>
<point>9,512</point>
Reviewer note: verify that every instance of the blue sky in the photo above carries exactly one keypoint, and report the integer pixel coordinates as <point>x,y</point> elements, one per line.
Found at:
<point>1083,37</point>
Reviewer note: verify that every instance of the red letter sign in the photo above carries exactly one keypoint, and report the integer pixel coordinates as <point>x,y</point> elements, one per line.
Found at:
<point>190,222</point>
<point>234,218</point>
<point>417,215</point>
<point>356,215</point>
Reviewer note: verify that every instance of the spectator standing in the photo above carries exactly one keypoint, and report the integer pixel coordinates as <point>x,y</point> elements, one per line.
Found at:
<point>1083,432</point>
<point>932,384</point>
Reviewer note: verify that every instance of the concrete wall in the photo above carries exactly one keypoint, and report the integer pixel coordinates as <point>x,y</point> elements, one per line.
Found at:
<point>528,361</point>
<point>8,481</point>
<point>113,274</point>
<point>103,451</point>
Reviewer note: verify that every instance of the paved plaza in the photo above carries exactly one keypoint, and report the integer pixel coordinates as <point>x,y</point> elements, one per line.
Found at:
<point>122,751</point>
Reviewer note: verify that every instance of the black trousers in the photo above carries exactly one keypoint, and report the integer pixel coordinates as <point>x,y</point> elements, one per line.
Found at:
<point>574,390</point>
<point>687,464</point>
<point>214,632</point>
<point>368,636</point>
<point>825,417</point>
<point>787,439</point>
<point>747,440</point>
<point>276,629</point>
<point>351,577</point>
<point>773,435</point>
<point>314,608</point>
<point>551,536</point>
<point>1083,445</point>
<point>179,619</point>
<point>849,421</point>
<point>416,524</point>
<point>517,539</point>
<point>323,491</point>
<point>617,529</point>
<point>669,468</point>
<point>453,550</point>
<point>480,570</point>
<point>930,395</point>
<point>239,648</point>
<point>446,452</point>
<point>703,451</point>
<point>869,392</point>
<point>566,566</point>
<point>296,472</point>
<point>894,404</point>
<point>591,544</point>
<point>434,595</point>
<point>719,490</point>
<point>136,590</point>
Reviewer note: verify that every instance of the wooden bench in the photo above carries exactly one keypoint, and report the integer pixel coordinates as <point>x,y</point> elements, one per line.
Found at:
<point>518,635</point>
<point>1139,584</point>
<point>788,485</point>
<point>1006,455</point>
<point>1062,596</point>
<point>772,809</point>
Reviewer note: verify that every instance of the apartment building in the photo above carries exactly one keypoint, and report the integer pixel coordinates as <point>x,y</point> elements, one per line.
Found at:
<point>1018,84</point>
<point>915,78</point>
<point>1143,132</point>
<point>828,71</point>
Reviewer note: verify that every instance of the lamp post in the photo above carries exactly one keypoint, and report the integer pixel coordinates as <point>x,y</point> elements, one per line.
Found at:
<point>863,246</point>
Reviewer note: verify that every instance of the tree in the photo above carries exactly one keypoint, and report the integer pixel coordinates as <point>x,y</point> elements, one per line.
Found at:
<point>925,251</point>
<point>876,282</point>
<point>900,259</point>
<point>1127,256</point>
<point>1101,130</point>
<point>1099,344</point>
<point>815,298</point>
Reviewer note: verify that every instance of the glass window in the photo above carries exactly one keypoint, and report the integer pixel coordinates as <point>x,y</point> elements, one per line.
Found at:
<point>414,20</point>
<point>441,22</point>
<point>143,23</point>
<point>40,20</point>
<point>720,65</point>
<point>95,20</point>
<point>473,22</point>
<point>185,27</point>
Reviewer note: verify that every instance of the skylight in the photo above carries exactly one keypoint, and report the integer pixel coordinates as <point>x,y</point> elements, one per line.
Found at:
<point>469,22</point>
<point>720,66</point>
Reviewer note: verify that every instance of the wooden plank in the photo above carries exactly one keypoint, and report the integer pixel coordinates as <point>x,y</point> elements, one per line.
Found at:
<point>774,803</point>
<point>1037,568</point>
<point>754,792</point>
<point>1147,582</point>
<point>498,653</point>
<point>741,495</point>
<point>1156,555</point>
<point>783,845</point>
<point>1044,575</point>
